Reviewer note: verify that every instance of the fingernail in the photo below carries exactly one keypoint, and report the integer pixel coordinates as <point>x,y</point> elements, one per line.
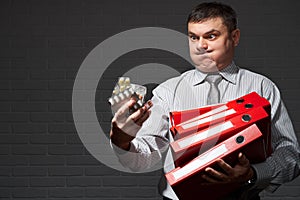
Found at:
<point>148,104</point>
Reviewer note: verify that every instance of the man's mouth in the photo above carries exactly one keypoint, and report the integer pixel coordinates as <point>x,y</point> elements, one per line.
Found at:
<point>203,52</point>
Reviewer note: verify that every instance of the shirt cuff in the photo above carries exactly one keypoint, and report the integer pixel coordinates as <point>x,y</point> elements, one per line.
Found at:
<point>120,151</point>
<point>263,175</point>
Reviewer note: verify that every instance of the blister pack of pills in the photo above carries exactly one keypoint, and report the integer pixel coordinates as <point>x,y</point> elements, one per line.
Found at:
<point>123,91</point>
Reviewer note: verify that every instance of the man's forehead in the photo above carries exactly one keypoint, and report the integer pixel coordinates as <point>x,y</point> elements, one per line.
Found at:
<point>207,25</point>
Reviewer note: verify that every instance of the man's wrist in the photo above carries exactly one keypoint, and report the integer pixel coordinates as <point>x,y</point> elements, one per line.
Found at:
<point>120,138</point>
<point>125,146</point>
<point>252,178</point>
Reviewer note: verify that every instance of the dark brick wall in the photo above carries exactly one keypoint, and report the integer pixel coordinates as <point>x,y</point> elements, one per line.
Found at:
<point>42,45</point>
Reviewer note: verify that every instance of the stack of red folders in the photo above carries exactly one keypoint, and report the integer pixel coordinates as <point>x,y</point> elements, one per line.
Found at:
<point>209,133</point>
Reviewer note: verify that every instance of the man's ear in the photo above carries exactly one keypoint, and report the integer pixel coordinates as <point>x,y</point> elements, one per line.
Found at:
<point>235,35</point>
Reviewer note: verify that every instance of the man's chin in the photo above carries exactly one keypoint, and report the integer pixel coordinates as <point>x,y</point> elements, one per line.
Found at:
<point>207,68</point>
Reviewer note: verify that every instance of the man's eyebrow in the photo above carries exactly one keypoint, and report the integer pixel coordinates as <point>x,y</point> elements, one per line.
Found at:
<point>191,33</point>
<point>211,31</point>
<point>208,32</point>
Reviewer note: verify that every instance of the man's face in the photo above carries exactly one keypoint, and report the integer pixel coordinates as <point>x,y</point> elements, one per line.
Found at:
<point>211,45</point>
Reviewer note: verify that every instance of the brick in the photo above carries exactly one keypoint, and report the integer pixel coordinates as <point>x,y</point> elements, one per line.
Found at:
<point>13,75</point>
<point>5,128</point>
<point>47,75</point>
<point>120,181</point>
<point>77,52</point>
<point>14,117</point>
<point>29,85</point>
<point>69,116</point>
<point>5,193</point>
<point>66,149</point>
<point>82,160</point>
<point>60,107</point>
<point>57,64</point>
<point>29,192</point>
<point>138,192</point>
<point>47,182</point>
<point>79,31</point>
<point>4,149</point>
<point>103,192</point>
<point>56,53</point>
<point>13,160</point>
<point>47,117</point>
<point>12,53</point>
<point>5,84</point>
<point>101,171</point>
<point>5,61</point>
<point>4,21</point>
<point>29,171</point>
<point>67,192</point>
<point>65,42</point>
<point>28,20</point>
<point>65,171</point>
<point>147,20</point>
<point>148,180</point>
<point>59,20</point>
<point>8,95</point>
<point>61,128</point>
<point>30,107</point>
<point>46,160</point>
<point>30,128</point>
<point>14,182</point>
<point>54,31</point>
<point>34,63</point>
<point>13,139</point>
<point>47,139</point>
<point>151,174</point>
<point>73,139</point>
<point>29,150</point>
<point>5,171</point>
<point>5,107</point>
<point>23,42</point>
<point>47,96</point>
<point>84,181</point>
<point>61,85</point>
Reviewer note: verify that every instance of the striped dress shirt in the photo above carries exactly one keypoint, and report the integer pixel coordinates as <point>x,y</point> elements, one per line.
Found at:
<point>150,148</point>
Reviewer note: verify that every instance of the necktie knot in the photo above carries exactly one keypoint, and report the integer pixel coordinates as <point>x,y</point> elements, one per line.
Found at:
<point>214,78</point>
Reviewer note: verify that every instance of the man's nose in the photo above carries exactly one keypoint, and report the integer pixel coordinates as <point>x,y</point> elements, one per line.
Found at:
<point>202,44</point>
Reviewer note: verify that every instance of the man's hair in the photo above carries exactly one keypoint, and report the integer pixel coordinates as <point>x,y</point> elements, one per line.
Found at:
<point>211,10</point>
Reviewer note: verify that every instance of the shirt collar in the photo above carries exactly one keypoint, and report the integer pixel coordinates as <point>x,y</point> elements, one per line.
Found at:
<point>229,73</point>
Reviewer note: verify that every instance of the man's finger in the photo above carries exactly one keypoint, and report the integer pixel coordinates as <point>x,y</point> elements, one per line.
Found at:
<point>242,159</point>
<point>123,110</point>
<point>143,118</point>
<point>216,174</point>
<point>209,179</point>
<point>138,114</point>
<point>226,167</point>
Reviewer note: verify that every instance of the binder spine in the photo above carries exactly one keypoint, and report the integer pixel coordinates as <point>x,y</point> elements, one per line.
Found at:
<point>187,148</point>
<point>186,181</point>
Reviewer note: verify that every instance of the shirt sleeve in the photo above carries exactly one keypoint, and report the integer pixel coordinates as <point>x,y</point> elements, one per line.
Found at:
<point>151,142</point>
<point>283,165</point>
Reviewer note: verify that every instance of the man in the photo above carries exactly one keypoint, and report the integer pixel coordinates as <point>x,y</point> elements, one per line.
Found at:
<point>141,139</point>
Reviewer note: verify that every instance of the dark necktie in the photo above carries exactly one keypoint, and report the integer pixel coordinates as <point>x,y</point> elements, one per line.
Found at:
<point>213,93</point>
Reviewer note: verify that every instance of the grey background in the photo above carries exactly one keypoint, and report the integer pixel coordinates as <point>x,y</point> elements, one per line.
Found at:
<point>43,43</point>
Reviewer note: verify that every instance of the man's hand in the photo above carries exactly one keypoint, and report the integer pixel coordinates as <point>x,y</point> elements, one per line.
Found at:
<point>124,127</point>
<point>240,173</point>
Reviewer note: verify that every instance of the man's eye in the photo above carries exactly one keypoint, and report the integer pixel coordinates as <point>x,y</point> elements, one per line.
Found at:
<point>193,38</point>
<point>211,36</point>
